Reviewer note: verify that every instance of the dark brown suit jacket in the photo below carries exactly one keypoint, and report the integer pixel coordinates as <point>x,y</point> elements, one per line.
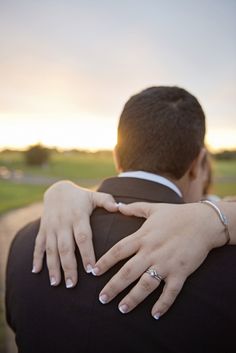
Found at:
<point>54,320</point>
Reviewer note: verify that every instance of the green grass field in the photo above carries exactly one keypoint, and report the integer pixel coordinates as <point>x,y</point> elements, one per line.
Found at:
<point>69,165</point>
<point>224,174</point>
<point>87,170</point>
<point>224,168</point>
<point>16,195</point>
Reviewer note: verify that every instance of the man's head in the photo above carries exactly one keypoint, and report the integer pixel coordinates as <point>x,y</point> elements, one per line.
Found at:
<point>161,130</point>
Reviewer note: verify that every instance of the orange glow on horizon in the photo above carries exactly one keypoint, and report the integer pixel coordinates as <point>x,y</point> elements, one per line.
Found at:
<point>88,132</point>
<point>80,131</point>
<point>221,139</point>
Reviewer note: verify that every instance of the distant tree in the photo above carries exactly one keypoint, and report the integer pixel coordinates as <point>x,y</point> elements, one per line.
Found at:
<point>226,155</point>
<point>37,155</point>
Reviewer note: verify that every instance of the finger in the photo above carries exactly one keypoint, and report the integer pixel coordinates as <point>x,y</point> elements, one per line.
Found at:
<point>39,250</point>
<point>53,262</point>
<point>106,201</point>
<point>83,238</point>
<point>138,293</point>
<point>138,209</point>
<point>123,249</point>
<point>132,270</point>
<point>66,247</point>
<point>171,290</point>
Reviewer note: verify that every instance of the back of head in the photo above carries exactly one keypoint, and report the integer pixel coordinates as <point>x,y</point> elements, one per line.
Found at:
<point>161,130</point>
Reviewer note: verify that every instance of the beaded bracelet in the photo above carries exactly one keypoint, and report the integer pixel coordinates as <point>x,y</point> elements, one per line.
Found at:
<point>222,217</point>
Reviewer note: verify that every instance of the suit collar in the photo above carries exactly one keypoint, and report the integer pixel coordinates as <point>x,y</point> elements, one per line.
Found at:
<point>139,190</point>
<point>140,174</point>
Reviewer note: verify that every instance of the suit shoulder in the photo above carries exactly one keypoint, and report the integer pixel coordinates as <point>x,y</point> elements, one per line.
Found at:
<point>25,235</point>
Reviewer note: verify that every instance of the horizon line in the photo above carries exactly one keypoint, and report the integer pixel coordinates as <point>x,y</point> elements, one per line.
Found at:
<point>93,150</point>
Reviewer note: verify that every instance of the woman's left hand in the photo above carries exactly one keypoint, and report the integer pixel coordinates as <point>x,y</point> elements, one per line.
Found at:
<point>173,241</point>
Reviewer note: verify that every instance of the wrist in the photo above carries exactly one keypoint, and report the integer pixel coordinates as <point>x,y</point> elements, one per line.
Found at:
<point>215,225</point>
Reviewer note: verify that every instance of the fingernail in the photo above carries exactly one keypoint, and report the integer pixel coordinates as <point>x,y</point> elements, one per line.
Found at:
<point>33,269</point>
<point>123,308</point>
<point>53,281</point>
<point>69,283</point>
<point>89,268</point>
<point>157,316</point>
<point>95,271</point>
<point>103,298</point>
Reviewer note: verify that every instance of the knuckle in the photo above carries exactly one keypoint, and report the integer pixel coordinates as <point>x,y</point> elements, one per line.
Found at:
<point>79,216</point>
<point>146,285</point>
<point>173,291</point>
<point>105,197</point>
<point>103,264</point>
<point>68,268</point>
<point>182,264</point>
<point>39,251</point>
<point>144,243</point>
<point>164,305</point>
<point>64,249</point>
<point>117,251</point>
<point>111,288</point>
<point>49,250</point>
<point>81,238</point>
<point>108,198</point>
<point>126,272</point>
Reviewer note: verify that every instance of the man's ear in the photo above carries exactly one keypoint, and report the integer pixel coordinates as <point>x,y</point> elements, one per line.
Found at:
<point>197,164</point>
<point>117,160</point>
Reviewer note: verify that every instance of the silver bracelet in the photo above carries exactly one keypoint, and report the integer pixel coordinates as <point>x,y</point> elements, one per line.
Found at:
<point>222,217</point>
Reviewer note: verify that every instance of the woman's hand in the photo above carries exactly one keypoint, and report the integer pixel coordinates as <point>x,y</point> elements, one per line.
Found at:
<point>174,241</point>
<point>66,221</point>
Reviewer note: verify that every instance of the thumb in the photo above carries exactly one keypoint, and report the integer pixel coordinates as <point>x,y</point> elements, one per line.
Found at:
<point>138,209</point>
<point>106,201</point>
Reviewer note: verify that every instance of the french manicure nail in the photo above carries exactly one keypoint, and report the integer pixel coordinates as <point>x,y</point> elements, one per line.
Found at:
<point>157,316</point>
<point>33,269</point>
<point>89,268</point>
<point>123,308</point>
<point>95,271</point>
<point>53,281</point>
<point>69,283</point>
<point>103,298</point>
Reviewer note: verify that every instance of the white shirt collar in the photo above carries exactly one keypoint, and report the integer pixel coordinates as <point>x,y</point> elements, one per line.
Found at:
<point>152,177</point>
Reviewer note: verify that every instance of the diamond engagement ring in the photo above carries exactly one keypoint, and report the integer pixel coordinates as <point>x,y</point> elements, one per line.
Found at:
<point>153,273</point>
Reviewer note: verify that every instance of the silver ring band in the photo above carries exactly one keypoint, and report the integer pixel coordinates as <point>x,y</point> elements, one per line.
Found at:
<point>153,273</point>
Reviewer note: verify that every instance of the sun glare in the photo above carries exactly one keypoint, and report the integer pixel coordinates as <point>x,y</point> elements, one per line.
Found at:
<point>221,139</point>
<point>85,132</point>
<point>81,131</point>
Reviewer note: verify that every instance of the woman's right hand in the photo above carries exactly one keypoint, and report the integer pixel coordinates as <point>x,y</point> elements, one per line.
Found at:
<point>64,222</point>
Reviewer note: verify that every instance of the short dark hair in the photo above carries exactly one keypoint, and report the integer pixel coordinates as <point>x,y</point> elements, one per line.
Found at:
<point>161,130</point>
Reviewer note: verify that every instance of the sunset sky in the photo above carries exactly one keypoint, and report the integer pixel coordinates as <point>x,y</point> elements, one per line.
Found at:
<point>68,66</point>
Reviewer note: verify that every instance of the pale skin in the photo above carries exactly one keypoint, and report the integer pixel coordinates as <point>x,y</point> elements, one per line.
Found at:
<point>175,240</point>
